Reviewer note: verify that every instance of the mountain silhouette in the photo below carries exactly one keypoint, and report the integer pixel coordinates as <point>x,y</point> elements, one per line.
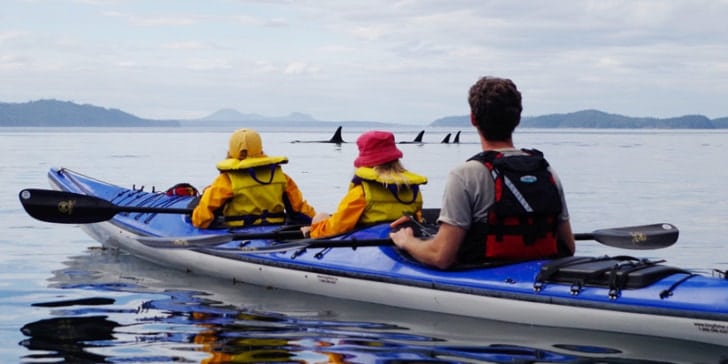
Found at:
<point>54,113</point>
<point>599,120</point>
<point>66,113</point>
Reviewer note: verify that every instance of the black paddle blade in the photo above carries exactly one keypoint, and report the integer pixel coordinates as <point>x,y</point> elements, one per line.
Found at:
<point>65,207</point>
<point>642,237</point>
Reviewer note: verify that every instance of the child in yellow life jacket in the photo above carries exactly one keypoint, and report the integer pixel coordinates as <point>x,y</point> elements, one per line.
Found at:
<point>251,188</point>
<point>382,189</point>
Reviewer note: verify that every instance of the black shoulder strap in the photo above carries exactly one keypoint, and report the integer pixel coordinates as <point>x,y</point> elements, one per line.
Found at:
<point>486,156</point>
<point>491,155</point>
<point>534,152</point>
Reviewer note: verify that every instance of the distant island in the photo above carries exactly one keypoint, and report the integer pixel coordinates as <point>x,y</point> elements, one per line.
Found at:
<point>225,117</point>
<point>54,113</point>
<point>600,120</point>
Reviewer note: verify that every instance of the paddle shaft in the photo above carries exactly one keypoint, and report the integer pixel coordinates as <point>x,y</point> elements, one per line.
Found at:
<point>217,239</point>
<point>153,210</point>
<point>653,236</point>
<point>74,208</point>
<point>312,244</point>
<point>340,243</point>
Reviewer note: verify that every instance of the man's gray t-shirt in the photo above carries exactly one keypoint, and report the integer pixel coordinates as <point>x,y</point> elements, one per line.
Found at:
<point>469,193</point>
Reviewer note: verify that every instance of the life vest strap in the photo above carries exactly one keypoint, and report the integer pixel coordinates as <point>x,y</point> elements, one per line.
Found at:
<point>250,219</point>
<point>254,175</point>
<point>394,189</point>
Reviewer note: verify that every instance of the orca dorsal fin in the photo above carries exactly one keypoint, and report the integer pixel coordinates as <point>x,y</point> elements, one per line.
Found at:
<point>337,136</point>
<point>457,138</point>
<point>446,139</point>
<point>418,138</point>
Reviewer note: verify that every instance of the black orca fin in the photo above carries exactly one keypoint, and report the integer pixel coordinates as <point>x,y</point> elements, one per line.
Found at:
<point>337,136</point>
<point>446,139</point>
<point>457,138</point>
<point>418,138</point>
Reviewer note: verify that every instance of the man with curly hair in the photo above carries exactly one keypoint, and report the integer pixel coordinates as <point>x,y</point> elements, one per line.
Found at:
<point>503,204</point>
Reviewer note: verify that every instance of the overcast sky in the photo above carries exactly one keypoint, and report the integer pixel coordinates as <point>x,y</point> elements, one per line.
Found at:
<point>398,61</point>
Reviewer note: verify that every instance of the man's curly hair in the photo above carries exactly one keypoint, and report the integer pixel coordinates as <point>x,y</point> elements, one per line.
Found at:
<point>496,105</point>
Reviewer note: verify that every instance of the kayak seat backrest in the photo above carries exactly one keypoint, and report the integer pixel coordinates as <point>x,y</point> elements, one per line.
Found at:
<point>616,273</point>
<point>431,215</point>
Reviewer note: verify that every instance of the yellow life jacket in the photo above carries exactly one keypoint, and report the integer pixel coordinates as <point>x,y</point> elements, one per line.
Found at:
<point>259,188</point>
<point>385,200</point>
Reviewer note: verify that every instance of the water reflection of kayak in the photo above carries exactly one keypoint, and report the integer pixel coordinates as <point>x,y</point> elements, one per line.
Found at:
<point>614,294</point>
<point>245,322</point>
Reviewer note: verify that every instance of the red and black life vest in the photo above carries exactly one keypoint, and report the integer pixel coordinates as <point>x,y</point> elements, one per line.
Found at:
<point>522,223</point>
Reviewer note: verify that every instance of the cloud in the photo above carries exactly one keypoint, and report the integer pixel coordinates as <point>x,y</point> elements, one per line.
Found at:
<point>208,64</point>
<point>188,45</point>
<point>12,62</point>
<point>297,68</point>
<point>12,35</point>
<point>147,21</point>
<point>394,60</point>
<point>369,32</point>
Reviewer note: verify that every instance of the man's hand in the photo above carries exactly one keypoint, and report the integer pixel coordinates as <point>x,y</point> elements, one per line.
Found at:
<point>397,224</point>
<point>401,231</point>
<point>418,230</point>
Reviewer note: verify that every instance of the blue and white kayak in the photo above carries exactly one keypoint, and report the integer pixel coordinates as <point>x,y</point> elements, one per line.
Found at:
<point>614,294</point>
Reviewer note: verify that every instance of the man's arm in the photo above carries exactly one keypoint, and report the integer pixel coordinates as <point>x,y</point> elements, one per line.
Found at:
<point>565,234</point>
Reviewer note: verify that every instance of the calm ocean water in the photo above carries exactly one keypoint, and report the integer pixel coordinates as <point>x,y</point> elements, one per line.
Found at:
<point>62,298</point>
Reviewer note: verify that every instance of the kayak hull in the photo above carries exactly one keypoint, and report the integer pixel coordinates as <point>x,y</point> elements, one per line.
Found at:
<point>695,307</point>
